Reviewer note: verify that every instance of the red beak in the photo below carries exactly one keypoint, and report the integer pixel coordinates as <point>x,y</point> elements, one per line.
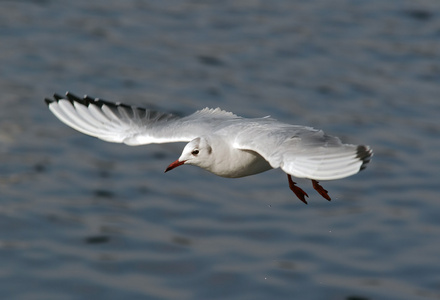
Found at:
<point>174,165</point>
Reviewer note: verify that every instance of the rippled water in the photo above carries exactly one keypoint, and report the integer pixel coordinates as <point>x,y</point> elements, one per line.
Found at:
<point>81,218</point>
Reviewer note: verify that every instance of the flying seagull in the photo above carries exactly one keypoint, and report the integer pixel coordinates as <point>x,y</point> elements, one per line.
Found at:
<point>218,141</point>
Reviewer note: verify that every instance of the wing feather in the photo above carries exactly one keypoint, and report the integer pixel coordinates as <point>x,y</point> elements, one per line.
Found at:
<point>121,123</point>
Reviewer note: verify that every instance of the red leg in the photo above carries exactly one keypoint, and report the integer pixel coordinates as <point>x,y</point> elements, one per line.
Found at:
<point>297,190</point>
<point>323,192</point>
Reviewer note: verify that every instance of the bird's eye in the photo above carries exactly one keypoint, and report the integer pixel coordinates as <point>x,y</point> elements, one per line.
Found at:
<point>195,152</point>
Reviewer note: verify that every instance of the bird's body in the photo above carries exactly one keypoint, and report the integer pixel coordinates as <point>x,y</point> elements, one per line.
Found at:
<point>227,161</point>
<point>219,141</point>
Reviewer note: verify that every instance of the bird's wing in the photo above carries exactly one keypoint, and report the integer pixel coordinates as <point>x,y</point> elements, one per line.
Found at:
<point>302,151</point>
<point>121,123</point>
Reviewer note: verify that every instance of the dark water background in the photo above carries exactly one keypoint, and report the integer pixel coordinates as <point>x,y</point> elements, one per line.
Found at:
<point>85,219</point>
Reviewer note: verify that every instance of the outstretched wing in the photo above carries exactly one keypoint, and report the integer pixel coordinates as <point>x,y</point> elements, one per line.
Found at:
<point>303,151</point>
<point>121,123</point>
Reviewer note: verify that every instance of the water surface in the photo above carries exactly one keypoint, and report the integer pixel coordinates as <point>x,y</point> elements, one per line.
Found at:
<point>81,218</point>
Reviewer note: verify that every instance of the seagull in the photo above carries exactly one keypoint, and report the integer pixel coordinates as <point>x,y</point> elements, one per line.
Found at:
<point>220,142</point>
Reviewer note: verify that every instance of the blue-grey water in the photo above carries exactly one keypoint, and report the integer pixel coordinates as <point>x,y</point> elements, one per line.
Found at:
<point>85,219</point>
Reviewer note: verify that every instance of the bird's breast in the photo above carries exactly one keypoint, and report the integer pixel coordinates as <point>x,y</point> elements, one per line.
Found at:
<point>239,163</point>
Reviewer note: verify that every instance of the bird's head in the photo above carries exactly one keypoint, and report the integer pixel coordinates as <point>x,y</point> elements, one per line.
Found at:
<point>197,152</point>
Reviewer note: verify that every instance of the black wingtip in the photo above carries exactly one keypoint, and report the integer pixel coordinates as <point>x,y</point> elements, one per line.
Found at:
<point>364,153</point>
<point>56,98</point>
<point>72,97</point>
<point>86,100</point>
<point>48,101</point>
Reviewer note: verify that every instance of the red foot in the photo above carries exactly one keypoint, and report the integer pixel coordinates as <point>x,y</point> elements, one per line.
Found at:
<point>297,190</point>
<point>323,192</point>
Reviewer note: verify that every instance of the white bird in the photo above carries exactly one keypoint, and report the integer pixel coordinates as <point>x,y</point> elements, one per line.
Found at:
<point>221,142</point>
